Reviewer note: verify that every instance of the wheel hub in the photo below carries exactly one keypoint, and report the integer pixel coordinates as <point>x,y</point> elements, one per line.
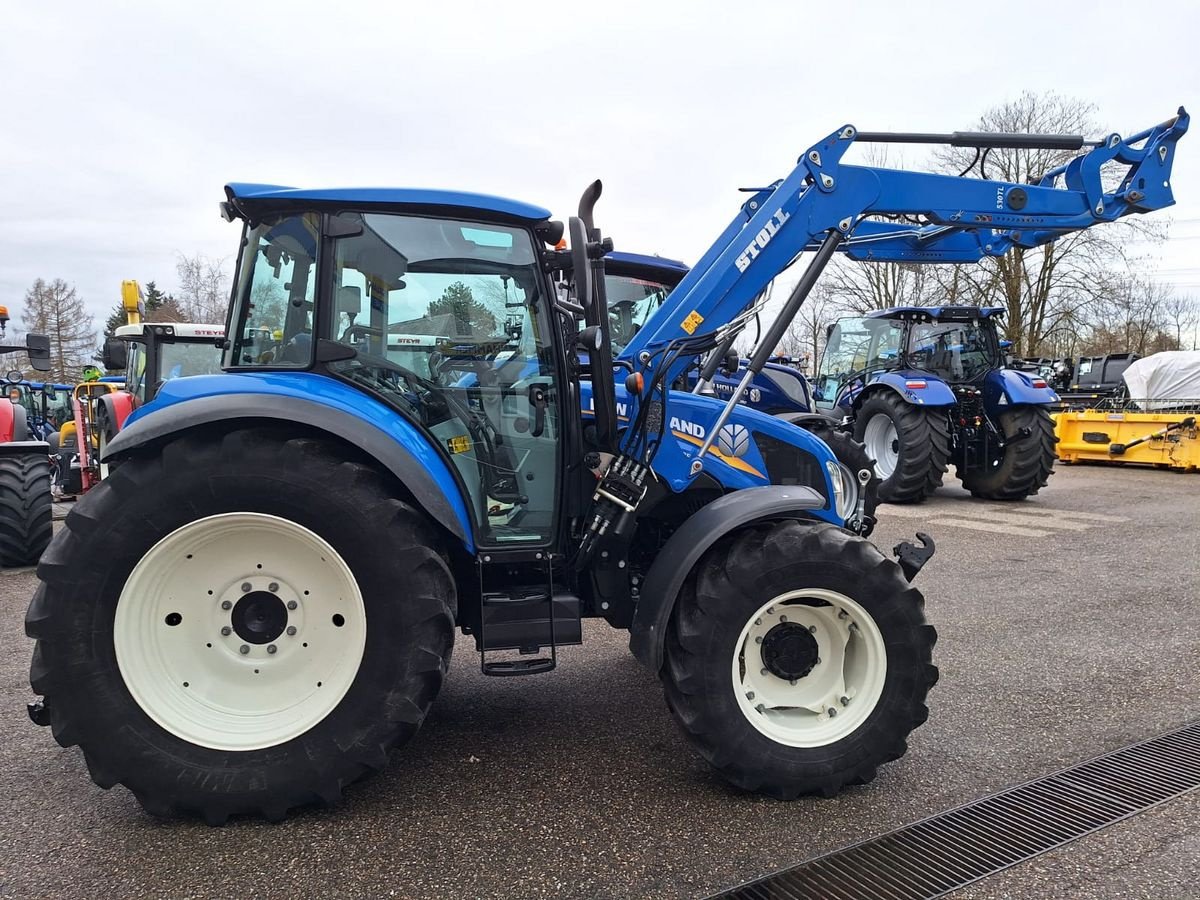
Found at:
<point>789,651</point>
<point>259,617</point>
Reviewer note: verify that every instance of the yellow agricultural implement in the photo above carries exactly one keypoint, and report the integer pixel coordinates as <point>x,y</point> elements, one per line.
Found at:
<point>1132,432</point>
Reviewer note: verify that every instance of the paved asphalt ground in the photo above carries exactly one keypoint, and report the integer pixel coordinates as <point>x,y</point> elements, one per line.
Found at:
<point>1068,628</point>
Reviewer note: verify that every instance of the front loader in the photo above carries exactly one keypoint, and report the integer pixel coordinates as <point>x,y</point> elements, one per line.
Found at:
<point>260,603</point>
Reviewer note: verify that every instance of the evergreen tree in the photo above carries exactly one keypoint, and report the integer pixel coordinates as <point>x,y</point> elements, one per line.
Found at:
<point>470,315</point>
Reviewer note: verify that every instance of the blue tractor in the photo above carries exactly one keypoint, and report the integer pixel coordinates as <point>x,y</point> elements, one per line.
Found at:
<point>260,602</point>
<point>923,387</point>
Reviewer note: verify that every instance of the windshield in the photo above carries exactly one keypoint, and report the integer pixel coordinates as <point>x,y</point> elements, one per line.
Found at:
<point>177,359</point>
<point>956,351</point>
<point>631,301</point>
<point>857,345</point>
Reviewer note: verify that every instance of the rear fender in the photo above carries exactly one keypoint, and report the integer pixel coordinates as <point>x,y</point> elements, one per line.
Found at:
<point>8,414</point>
<point>316,402</point>
<point>1004,387</point>
<point>915,387</point>
<point>684,549</point>
<point>118,406</point>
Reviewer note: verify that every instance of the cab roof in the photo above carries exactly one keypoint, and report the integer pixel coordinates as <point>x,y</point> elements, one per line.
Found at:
<point>953,313</point>
<point>672,266</point>
<point>243,195</point>
<point>179,329</point>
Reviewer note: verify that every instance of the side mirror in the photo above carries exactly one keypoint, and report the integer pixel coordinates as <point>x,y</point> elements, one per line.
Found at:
<point>38,346</point>
<point>115,354</point>
<point>829,330</point>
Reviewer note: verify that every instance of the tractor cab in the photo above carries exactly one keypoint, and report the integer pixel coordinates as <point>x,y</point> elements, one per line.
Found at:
<point>441,322</point>
<point>954,344</point>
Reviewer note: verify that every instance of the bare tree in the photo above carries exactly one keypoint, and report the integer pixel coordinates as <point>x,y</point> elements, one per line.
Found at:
<point>203,294</point>
<point>1182,313</point>
<point>54,308</point>
<point>1045,288</point>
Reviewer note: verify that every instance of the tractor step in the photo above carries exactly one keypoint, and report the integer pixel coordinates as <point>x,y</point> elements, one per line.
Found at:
<point>509,667</point>
<point>527,619</point>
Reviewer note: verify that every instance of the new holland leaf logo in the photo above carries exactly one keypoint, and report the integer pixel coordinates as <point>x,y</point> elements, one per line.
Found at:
<point>733,440</point>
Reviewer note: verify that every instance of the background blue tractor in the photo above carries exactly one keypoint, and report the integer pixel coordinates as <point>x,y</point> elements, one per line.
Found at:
<point>923,387</point>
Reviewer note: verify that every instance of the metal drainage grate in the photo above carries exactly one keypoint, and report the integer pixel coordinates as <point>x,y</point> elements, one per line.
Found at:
<point>944,852</point>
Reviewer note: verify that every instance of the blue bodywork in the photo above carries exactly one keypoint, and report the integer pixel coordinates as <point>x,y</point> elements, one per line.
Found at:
<point>691,416</point>
<point>935,392</point>
<point>411,197</point>
<point>320,390</point>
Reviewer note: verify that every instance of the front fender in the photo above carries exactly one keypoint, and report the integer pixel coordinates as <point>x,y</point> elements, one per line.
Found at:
<point>315,401</point>
<point>1015,388</point>
<point>675,561</point>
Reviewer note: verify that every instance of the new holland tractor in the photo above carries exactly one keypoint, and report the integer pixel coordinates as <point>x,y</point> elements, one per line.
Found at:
<point>922,387</point>
<point>25,501</point>
<point>260,603</point>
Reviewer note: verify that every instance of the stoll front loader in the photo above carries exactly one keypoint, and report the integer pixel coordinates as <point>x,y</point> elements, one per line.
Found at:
<point>260,603</point>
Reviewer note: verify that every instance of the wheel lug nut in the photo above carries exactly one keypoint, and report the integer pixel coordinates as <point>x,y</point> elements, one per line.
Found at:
<point>291,630</point>
<point>758,640</point>
<point>292,604</point>
<point>832,712</point>
<point>244,649</point>
<point>225,604</point>
<point>792,681</point>
<point>271,648</point>
<point>749,695</point>
<point>760,708</point>
<point>812,629</point>
<point>246,587</point>
<point>845,701</point>
<point>762,671</point>
<point>226,631</point>
<point>842,614</point>
<point>758,621</point>
<point>783,618</point>
<point>273,586</point>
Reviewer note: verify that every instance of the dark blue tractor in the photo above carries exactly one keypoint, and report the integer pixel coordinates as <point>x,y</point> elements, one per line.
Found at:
<point>923,387</point>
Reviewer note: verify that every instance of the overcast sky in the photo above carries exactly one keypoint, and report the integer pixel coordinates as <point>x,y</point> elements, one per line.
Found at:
<point>122,125</point>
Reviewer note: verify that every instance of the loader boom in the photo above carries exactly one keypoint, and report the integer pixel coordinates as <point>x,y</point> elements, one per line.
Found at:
<point>823,202</point>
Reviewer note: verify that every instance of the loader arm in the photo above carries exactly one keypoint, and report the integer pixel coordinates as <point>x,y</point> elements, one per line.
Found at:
<point>825,203</point>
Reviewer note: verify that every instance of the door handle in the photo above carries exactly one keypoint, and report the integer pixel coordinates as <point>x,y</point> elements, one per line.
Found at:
<point>539,401</point>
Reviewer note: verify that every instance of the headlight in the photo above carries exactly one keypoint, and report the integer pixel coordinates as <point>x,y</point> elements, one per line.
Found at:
<point>845,489</point>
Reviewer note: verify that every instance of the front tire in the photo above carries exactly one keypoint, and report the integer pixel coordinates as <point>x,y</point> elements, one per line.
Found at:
<point>798,659</point>
<point>910,445</point>
<point>25,507</point>
<point>205,696</point>
<point>1028,458</point>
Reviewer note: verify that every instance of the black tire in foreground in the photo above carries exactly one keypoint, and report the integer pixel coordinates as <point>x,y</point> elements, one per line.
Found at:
<point>1028,458</point>
<point>921,445</point>
<point>25,506</point>
<point>841,584</point>
<point>407,600</point>
<point>849,452</point>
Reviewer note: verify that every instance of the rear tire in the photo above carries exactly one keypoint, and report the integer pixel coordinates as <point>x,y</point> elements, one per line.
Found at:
<point>25,507</point>
<point>910,445</point>
<point>773,596</point>
<point>1027,462</point>
<point>223,742</point>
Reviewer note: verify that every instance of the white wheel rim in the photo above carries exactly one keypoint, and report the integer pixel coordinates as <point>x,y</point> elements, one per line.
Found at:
<point>881,440</point>
<point>838,693</point>
<point>192,675</point>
